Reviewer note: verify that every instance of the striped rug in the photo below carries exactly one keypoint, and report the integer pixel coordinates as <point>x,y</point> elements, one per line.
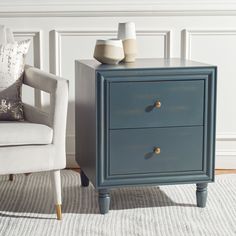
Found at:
<point>26,208</point>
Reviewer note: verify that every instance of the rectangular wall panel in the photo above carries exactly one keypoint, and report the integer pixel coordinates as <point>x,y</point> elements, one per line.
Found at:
<point>218,47</point>
<point>75,44</point>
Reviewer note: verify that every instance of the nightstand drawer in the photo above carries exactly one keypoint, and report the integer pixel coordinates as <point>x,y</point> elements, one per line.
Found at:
<point>156,104</point>
<point>158,150</point>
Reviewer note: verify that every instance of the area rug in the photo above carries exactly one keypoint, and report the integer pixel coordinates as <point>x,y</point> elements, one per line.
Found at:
<point>26,208</point>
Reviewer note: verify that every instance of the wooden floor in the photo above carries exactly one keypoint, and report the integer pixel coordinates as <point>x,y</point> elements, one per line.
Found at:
<point>218,172</point>
<point>224,171</point>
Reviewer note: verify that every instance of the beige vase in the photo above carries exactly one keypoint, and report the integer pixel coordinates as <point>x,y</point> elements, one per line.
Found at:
<point>127,33</point>
<point>109,51</point>
<point>130,50</point>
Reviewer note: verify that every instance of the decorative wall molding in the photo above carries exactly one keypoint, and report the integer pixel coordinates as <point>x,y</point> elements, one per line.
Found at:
<point>226,137</point>
<point>36,37</point>
<point>115,8</point>
<point>225,157</point>
<point>56,58</point>
<point>186,36</point>
<point>56,67</point>
<point>56,36</point>
<point>226,153</point>
<point>135,10</point>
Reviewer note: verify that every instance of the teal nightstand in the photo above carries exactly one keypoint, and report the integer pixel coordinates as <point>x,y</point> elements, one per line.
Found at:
<point>151,122</point>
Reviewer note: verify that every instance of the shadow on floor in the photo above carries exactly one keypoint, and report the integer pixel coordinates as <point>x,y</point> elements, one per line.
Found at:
<point>32,194</point>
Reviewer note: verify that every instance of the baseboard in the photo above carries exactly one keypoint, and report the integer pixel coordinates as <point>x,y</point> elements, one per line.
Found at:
<point>224,160</point>
<point>70,161</point>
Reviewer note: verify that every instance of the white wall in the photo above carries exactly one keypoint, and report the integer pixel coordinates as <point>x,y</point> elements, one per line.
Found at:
<point>63,31</point>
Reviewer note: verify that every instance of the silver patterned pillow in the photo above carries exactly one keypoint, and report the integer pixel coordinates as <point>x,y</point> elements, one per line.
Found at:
<point>12,62</point>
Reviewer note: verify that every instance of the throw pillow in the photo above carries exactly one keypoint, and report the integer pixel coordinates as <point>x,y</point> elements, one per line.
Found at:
<point>12,62</point>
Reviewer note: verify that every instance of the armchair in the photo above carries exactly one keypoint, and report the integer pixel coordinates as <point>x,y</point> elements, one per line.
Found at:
<point>38,143</point>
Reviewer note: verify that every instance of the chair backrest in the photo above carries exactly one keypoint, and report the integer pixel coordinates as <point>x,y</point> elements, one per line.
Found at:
<point>6,35</point>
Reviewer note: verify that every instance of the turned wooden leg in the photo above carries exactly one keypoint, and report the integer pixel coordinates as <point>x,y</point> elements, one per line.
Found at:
<point>11,177</point>
<point>104,201</point>
<point>56,187</point>
<point>84,179</point>
<point>201,194</point>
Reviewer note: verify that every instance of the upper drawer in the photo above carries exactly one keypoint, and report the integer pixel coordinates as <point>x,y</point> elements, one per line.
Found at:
<point>156,104</point>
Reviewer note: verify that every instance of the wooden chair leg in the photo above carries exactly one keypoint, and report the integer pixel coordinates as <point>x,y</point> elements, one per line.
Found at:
<point>56,187</point>
<point>58,211</point>
<point>11,177</point>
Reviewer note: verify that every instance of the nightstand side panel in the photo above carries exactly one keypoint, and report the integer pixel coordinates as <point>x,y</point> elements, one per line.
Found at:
<point>85,115</point>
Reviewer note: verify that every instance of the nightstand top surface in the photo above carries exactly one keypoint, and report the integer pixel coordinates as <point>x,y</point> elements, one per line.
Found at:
<point>146,63</point>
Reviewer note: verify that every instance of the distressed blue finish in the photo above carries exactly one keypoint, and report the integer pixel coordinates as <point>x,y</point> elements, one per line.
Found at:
<point>132,150</point>
<point>201,194</point>
<point>182,104</point>
<point>104,200</point>
<point>117,126</point>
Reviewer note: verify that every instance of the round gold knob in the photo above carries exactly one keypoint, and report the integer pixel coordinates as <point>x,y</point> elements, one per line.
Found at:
<point>158,104</point>
<point>157,150</point>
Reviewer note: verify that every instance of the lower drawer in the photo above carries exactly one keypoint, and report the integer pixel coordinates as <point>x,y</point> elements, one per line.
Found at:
<point>155,150</point>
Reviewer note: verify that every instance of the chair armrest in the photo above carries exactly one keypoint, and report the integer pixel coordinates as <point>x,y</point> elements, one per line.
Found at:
<point>41,80</point>
<point>58,90</point>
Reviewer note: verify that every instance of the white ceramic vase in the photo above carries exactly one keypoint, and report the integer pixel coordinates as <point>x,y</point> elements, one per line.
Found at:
<point>109,51</point>
<point>127,33</point>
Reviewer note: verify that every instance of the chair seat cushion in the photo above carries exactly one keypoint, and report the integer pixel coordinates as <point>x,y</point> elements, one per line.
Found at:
<point>24,133</point>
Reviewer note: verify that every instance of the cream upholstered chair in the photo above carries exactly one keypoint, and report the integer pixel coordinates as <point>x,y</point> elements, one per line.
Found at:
<point>38,143</point>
